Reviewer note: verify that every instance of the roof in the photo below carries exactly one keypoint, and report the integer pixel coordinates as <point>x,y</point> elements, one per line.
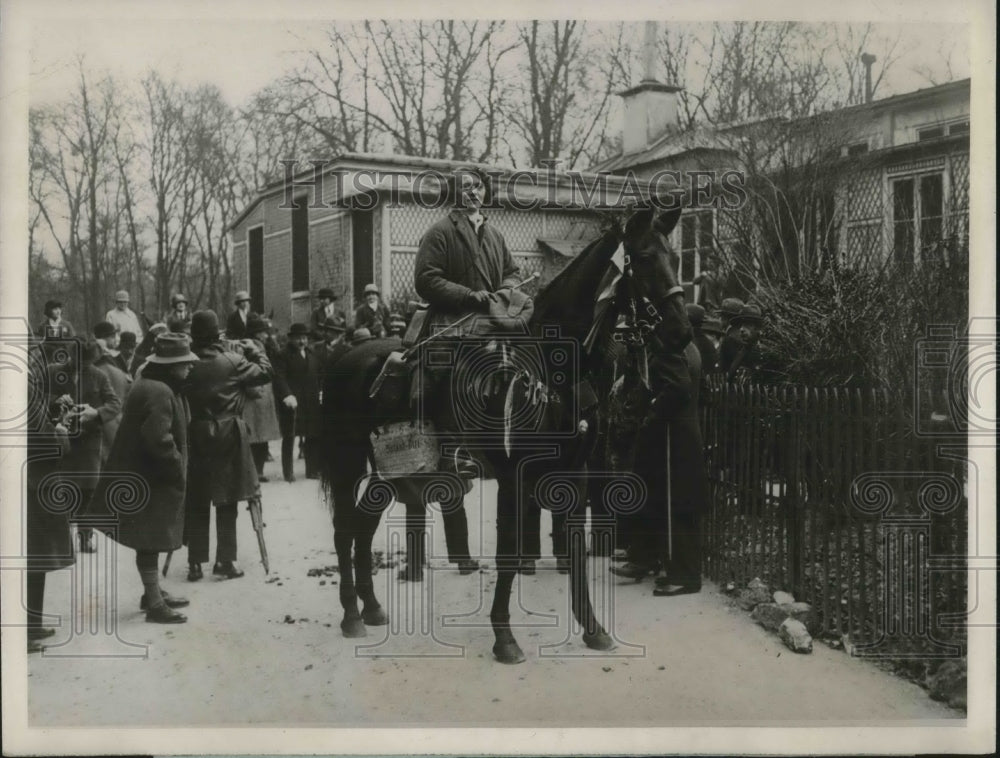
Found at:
<point>393,174</point>
<point>705,137</point>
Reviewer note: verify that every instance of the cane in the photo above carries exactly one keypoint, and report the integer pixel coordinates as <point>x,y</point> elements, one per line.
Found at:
<point>670,515</point>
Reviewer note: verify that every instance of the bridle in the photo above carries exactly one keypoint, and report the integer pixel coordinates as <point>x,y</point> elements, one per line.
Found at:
<point>641,316</point>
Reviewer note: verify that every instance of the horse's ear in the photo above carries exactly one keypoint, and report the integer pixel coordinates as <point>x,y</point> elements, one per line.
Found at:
<point>666,220</point>
<point>639,224</point>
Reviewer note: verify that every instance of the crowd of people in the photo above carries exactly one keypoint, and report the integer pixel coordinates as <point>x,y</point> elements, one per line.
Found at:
<point>183,410</point>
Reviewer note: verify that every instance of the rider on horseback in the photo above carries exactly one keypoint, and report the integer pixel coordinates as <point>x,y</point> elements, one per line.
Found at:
<point>461,263</point>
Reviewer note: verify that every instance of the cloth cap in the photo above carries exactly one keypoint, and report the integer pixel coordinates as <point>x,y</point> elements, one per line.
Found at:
<point>241,297</point>
<point>750,314</point>
<point>178,298</point>
<point>172,348</point>
<point>731,306</point>
<point>122,296</point>
<point>371,289</point>
<point>361,334</point>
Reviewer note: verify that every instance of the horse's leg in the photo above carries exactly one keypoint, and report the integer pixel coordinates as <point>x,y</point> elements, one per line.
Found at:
<point>372,614</point>
<point>505,648</point>
<point>351,625</point>
<point>594,635</point>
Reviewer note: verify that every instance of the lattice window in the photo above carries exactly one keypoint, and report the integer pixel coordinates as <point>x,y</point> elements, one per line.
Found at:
<point>864,240</point>
<point>521,229</point>
<point>401,264</point>
<point>570,226</point>
<point>864,195</point>
<point>410,221</point>
<point>960,181</point>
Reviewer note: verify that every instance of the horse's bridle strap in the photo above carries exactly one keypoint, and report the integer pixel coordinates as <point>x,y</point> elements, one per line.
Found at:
<point>678,290</point>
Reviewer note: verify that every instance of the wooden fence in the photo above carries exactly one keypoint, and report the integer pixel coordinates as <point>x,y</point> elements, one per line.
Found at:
<point>828,493</point>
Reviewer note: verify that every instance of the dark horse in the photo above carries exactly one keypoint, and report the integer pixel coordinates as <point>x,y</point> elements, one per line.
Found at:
<point>549,405</point>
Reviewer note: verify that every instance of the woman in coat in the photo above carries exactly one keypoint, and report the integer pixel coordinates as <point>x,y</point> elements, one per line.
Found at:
<point>49,542</point>
<point>147,471</point>
<point>260,413</point>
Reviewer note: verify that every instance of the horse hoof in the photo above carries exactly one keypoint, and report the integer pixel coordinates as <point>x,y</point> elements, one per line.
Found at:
<point>508,652</point>
<point>375,616</point>
<point>353,628</point>
<point>599,641</point>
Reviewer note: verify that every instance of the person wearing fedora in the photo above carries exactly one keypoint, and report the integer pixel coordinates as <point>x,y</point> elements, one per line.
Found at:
<point>372,314</point>
<point>236,324</point>
<point>326,317</point>
<point>221,469</point>
<point>296,386</point>
<point>261,413</point>
<point>745,355</point>
<point>122,317</point>
<point>152,445</point>
<point>731,342</point>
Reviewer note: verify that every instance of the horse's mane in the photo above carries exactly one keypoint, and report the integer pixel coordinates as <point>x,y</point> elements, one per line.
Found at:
<point>568,300</point>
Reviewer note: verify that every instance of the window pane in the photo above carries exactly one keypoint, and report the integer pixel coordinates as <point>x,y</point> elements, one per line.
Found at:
<point>962,127</point>
<point>687,265</point>
<point>688,231</point>
<point>902,216</point>
<point>707,237</point>
<point>300,245</point>
<point>931,132</point>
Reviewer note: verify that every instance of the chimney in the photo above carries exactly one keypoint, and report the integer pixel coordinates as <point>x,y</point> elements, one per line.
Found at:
<point>651,106</point>
<point>868,59</point>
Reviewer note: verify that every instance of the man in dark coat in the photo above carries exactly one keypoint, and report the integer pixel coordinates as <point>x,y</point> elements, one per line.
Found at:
<point>86,387</point>
<point>326,317</point>
<point>372,313</point>
<point>296,385</point>
<point>222,470</point>
<point>462,259</point>
<point>236,324</point>
<point>152,447</point>
<point>709,355</point>
<point>49,541</point>
<point>731,343</point>
<point>261,413</point>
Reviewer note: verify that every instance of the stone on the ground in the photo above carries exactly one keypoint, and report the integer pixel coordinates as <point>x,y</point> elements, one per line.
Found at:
<point>756,593</point>
<point>769,615</point>
<point>783,598</point>
<point>795,636</point>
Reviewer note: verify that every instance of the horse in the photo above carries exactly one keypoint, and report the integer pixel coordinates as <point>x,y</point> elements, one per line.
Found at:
<point>548,404</point>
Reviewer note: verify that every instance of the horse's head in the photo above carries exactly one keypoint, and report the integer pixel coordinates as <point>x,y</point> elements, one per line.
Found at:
<point>654,275</point>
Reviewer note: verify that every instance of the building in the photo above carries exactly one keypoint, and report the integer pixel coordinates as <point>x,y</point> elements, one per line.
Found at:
<point>886,178</point>
<point>359,218</point>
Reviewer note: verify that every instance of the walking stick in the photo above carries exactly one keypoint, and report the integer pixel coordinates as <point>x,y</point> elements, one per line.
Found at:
<point>257,518</point>
<point>670,515</point>
<point>166,562</point>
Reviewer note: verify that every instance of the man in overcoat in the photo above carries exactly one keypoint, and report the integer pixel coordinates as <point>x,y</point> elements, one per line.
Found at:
<point>236,324</point>
<point>326,317</point>
<point>296,388</point>
<point>261,413</point>
<point>222,470</point>
<point>152,447</point>
<point>372,314</point>
<point>81,384</point>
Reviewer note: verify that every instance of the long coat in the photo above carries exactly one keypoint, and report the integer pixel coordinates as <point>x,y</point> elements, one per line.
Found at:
<point>261,414</point>
<point>454,260</point>
<point>82,463</point>
<point>149,457</point>
<point>49,543</point>
<point>220,442</point>
<point>298,375</point>
<point>121,383</point>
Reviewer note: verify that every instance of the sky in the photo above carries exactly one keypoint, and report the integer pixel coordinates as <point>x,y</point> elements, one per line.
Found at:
<point>242,55</point>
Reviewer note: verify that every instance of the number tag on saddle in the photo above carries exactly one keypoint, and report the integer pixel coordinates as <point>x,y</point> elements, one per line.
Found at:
<point>405,448</point>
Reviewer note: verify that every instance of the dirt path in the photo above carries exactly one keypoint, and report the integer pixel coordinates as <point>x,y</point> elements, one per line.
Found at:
<point>271,653</point>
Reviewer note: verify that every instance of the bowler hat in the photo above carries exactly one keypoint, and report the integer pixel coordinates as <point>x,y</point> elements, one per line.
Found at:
<point>361,334</point>
<point>51,305</point>
<point>103,330</point>
<point>241,297</point>
<point>256,323</point>
<point>298,330</point>
<point>204,326</point>
<point>371,289</point>
<point>695,314</point>
<point>172,348</point>
<point>121,296</point>
<point>128,340</point>
<point>731,307</point>
<point>327,293</point>
<point>750,314</point>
